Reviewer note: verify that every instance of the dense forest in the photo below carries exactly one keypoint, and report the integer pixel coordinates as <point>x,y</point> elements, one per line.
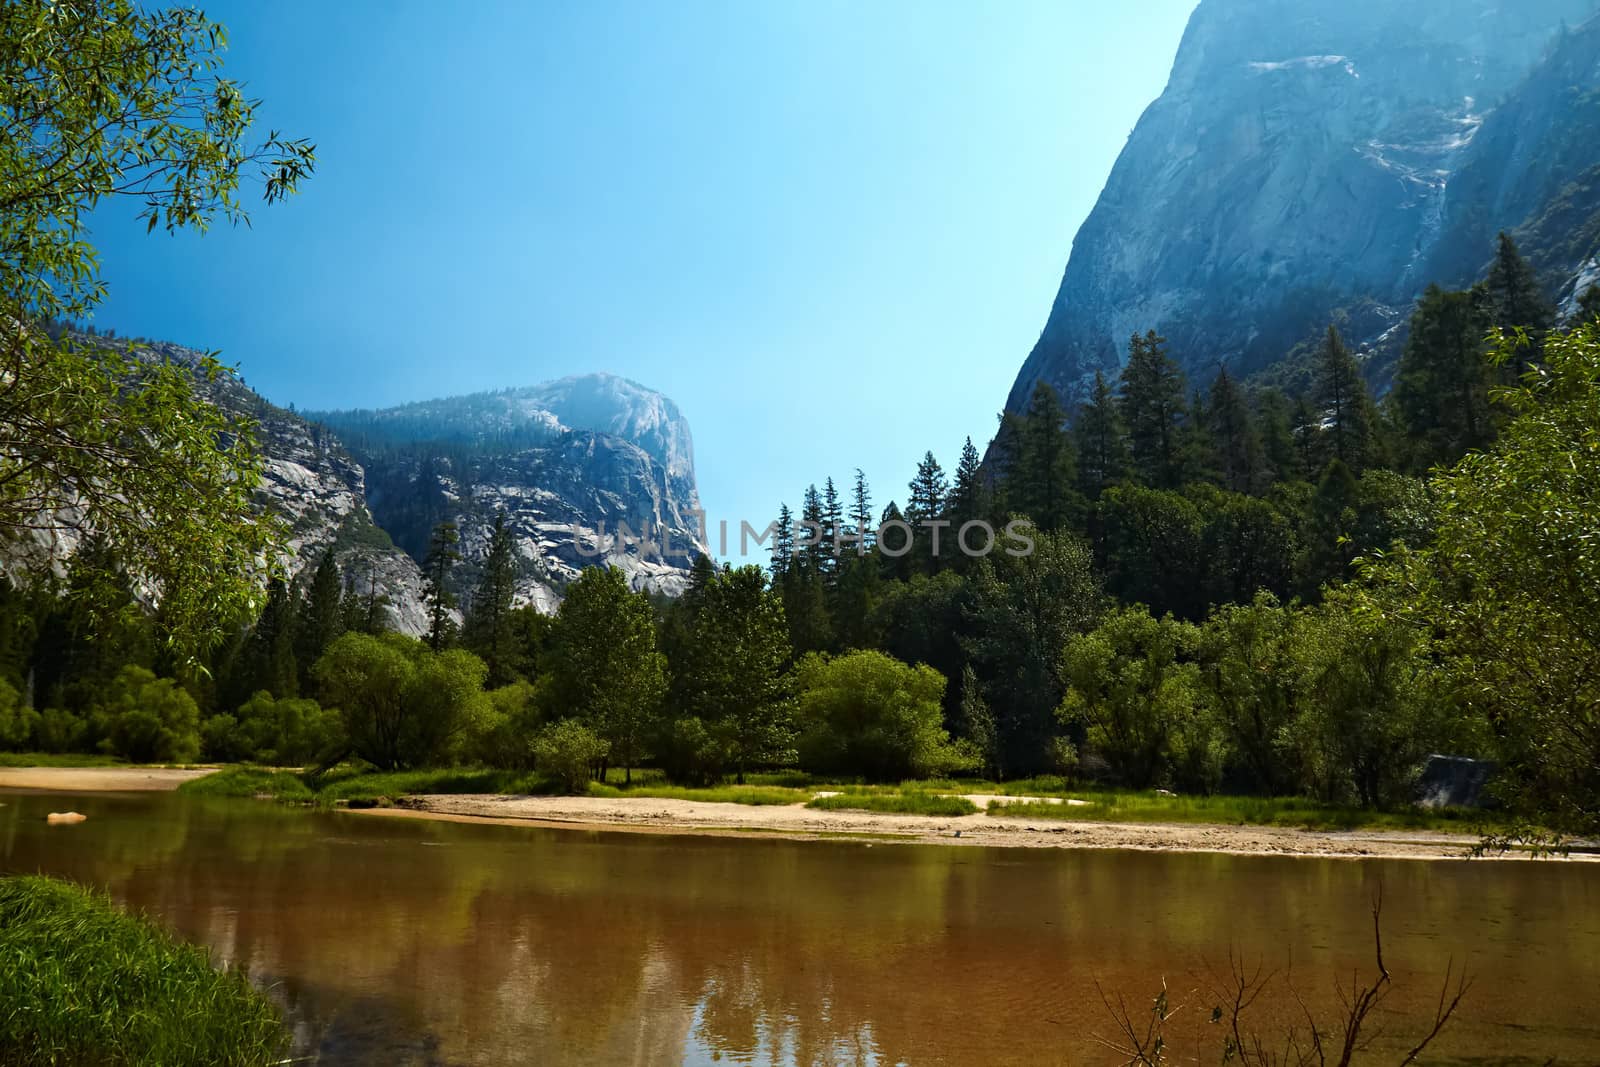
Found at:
<point>1229,588</point>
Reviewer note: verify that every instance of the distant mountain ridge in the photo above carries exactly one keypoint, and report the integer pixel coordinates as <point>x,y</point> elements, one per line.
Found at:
<point>586,468</point>
<point>1313,159</point>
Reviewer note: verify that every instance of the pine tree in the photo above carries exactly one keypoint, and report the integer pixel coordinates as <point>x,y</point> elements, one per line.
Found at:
<point>861,514</point>
<point>1152,409</point>
<point>832,525</point>
<point>1043,481</point>
<point>1276,430</point>
<point>1346,403</point>
<point>321,618</point>
<point>967,492</point>
<point>488,627</point>
<point>1441,391</point>
<point>814,553</point>
<point>927,491</point>
<point>1101,440</point>
<point>926,504</point>
<point>1516,301</point>
<point>782,543</point>
<point>436,567</point>
<point>267,660</point>
<point>1237,447</point>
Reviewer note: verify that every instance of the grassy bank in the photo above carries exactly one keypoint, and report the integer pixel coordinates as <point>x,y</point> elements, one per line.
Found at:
<point>1295,812</point>
<point>906,802</point>
<point>939,797</point>
<point>82,983</point>
<point>366,788</point>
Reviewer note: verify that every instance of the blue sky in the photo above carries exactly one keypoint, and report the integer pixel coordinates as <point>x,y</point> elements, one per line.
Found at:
<point>830,232</point>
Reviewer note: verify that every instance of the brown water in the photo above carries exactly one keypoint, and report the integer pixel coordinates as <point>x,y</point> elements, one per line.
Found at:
<point>400,942</point>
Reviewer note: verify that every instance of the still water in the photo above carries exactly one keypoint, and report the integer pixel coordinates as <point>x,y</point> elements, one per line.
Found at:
<point>401,942</point>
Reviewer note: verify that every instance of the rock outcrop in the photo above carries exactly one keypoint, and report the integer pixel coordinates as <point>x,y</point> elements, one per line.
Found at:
<point>1313,159</point>
<point>585,469</point>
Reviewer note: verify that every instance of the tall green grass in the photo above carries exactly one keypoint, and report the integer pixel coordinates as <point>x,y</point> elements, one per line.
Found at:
<point>902,803</point>
<point>1297,812</point>
<point>84,985</point>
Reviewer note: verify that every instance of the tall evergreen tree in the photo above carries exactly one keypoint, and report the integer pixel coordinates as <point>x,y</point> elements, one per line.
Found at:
<point>1346,403</point>
<point>436,567</point>
<point>832,525</point>
<point>782,543</point>
<point>1152,409</point>
<point>1236,445</point>
<point>488,629</point>
<point>1044,479</point>
<point>967,491</point>
<point>605,668</point>
<point>1275,423</point>
<point>1441,391</point>
<point>813,521</point>
<point>926,504</point>
<point>267,660</point>
<point>1101,440</point>
<point>861,513</point>
<point>1516,300</point>
<point>321,618</point>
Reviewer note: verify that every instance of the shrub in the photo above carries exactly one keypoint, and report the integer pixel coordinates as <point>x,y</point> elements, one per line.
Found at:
<point>1141,706</point>
<point>148,719</point>
<point>18,723</point>
<point>566,752</point>
<point>402,704</point>
<point>267,730</point>
<point>866,714</point>
<point>84,984</point>
<point>58,730</point>
<point>497,730</point>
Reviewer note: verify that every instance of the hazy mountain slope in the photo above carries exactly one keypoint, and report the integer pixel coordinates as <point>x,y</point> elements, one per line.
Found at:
<point>580,466</point>
<point>1305,157</point>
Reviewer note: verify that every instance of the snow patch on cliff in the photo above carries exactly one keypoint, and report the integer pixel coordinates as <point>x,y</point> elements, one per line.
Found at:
<point>1307,63</point>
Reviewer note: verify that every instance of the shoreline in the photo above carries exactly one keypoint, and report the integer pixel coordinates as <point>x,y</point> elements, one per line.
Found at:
<point>100,779</point>
<point>796,822</point>
<point>791,822</point>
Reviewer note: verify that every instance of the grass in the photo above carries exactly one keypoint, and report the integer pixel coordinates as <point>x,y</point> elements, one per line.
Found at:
<point>366,788</point>
<point>1298,812</point>
<point>250,782</point>
<point>83,983</point>
<point>717,794</point>
<point>901,803</point>
<point>56,759</point>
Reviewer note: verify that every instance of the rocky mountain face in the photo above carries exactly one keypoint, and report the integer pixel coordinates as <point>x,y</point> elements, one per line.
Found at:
<point>1320,160</point>
<point>309,480</point>
<point>586,469</point>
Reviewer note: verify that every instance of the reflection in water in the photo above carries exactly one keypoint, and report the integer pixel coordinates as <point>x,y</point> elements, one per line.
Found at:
<point>409,942</point>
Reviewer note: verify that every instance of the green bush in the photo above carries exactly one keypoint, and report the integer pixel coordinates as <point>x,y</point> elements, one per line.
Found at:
<point>402,704</point>
<point>566,752</point>
<point>18,723</point>
<point>868,715</point>
<point>146,719</point>
<point>1133,691</point>
<point>498,730</point>
<point>272,731</point>
<point>58,730</point>
<point>84,984</point>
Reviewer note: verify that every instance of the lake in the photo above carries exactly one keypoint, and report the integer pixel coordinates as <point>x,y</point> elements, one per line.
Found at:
<point>406,942</point>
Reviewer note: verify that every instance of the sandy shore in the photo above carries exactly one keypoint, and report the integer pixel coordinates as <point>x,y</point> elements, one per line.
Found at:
<point>642,815</point>
<point>99,779</point>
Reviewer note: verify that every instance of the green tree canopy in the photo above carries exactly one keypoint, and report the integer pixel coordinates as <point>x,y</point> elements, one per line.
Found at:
<point>603,665</point>
<point>104,101</point>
